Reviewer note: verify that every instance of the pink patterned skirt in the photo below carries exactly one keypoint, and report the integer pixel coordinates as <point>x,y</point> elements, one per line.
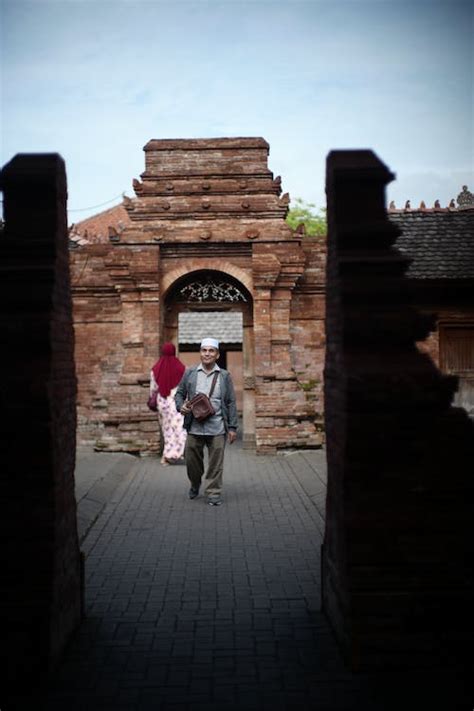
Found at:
<point>171,421</point>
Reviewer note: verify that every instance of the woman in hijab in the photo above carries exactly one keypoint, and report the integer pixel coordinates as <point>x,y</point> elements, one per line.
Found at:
<point>164,378</point>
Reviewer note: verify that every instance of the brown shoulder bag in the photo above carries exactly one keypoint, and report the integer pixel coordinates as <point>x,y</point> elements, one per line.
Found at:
<point>200,404</point>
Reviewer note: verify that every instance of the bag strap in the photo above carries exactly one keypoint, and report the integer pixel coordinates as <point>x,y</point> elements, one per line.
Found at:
<point>214,380</point>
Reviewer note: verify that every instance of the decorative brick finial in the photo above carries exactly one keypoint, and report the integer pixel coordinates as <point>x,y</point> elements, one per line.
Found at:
<point>465,198</point>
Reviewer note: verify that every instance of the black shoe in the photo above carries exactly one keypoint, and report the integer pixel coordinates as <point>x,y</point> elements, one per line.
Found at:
<point>193,493</point>
<point>214,500</point>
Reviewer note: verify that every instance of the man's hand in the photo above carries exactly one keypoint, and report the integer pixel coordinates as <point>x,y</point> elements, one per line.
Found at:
<point>185,409</point>
<point>231,436</point>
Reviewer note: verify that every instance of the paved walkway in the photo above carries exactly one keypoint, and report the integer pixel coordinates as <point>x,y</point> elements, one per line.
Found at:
<point>193,607</point>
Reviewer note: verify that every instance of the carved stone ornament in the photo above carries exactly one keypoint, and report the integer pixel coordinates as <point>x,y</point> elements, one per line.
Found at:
<point>205,235</point>
<point>165,205</point>
<point>249,382</point>
<point>206,204</point>
<point>252,234</point>
<point>154,234</point>
<point>210,290</point>
<point>465,198</point>
<point>245,204</point>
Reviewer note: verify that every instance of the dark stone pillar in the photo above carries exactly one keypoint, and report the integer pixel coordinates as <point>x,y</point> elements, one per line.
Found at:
<point>41,578</point>
<point>398,546</point>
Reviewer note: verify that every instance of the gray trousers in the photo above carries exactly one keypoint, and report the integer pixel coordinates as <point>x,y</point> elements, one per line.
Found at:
<point>194,456</point>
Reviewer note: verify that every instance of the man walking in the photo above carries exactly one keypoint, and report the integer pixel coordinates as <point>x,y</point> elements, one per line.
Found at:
<point>212,432</point>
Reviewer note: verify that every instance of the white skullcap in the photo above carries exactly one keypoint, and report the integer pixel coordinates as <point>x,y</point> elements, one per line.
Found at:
<point>210,343</point>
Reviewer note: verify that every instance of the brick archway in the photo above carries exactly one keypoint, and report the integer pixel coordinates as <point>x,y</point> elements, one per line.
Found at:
<point>170,279</point>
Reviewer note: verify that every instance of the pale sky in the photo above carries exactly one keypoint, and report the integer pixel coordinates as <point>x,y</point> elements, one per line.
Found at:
<point>95,80</point>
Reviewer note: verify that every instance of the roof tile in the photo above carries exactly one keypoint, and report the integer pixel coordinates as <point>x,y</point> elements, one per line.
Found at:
<point>440,243</point>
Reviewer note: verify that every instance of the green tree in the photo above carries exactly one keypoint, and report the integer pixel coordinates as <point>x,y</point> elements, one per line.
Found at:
<point>304,213</point>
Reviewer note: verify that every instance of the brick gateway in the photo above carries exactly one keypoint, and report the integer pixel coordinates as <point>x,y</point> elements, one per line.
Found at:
<point>203,209</point>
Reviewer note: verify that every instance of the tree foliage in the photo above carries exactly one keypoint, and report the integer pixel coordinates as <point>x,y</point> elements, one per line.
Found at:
<point>305,213</point>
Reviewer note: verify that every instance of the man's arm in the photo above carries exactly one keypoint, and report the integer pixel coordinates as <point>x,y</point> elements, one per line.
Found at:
<point>231,405</point>
<point>181,391</point>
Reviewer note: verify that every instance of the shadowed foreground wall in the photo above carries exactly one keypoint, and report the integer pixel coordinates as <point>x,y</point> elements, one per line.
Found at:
<point>41,581</point>
<point>398,547</point>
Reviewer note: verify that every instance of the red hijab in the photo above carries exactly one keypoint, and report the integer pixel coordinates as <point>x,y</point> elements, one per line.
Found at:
<point>168,370</point>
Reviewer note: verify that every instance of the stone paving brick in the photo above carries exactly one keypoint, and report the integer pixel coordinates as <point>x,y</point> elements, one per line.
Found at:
<point>191,607</point>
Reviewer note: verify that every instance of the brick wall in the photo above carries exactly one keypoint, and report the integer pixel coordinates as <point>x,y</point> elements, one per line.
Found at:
<point>307,328</point>
<point>398,546</point>
<point>41,580</point>
<point>116,323</point>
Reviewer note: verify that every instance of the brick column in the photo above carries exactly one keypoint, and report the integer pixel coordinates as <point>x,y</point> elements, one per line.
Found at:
<point>398,547</point>
<point>283,416</point>
<point>248,396</point>
<point>41,577</point>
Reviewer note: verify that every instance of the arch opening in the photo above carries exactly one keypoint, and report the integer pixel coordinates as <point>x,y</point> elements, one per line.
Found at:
<point>214,303</point>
